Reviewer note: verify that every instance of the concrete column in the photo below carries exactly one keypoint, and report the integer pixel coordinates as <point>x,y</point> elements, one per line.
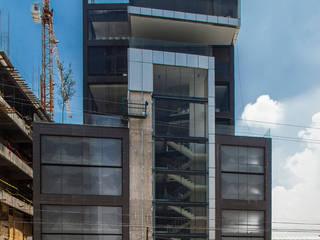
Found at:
<point>140,167</point>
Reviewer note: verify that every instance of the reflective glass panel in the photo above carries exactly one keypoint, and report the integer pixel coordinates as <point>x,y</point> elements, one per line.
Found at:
<point>184,156</point>
<point>106,24</point>
<point>242,223</point>
<point>81,180</point>
<point>81,151</point>
<point>222,98</point>
<point>242,159</point>
<point>180,187</point>
<point>180,81</point>
<point>180,219</point>
<point>180,118</point>
<point>81,219</point>
<point>242,186</point>
<point>80,237</point>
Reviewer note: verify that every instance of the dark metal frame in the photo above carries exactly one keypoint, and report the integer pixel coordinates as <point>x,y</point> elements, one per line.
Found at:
<point>81,200</point>
<point>254,205</point>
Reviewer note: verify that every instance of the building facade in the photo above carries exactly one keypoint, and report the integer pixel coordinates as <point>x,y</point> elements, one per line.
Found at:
<point>18,108</point>
<point>159,78</point>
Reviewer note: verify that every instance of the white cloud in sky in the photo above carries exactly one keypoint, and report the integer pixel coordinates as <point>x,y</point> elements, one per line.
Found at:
<point>300,204</point>
<point>264,110</point>
<point>296,164</point>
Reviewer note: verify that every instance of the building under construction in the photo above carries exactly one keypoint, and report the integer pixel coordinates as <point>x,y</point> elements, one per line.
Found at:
<point>18,108</point>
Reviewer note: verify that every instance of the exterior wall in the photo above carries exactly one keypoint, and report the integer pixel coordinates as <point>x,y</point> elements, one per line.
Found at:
<point>250,205</point>
<point>141,176</point>
<point>40,199</point>
<point>140,85</point>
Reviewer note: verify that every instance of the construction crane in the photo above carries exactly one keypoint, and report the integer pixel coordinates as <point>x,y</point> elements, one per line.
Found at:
<point>49,50</point>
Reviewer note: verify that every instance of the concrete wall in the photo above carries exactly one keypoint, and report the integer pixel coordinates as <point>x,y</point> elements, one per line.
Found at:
<point>140,167</point>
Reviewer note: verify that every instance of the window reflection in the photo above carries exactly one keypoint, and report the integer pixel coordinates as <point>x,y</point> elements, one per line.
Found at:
<point>242,223</point>
<point>81,219</point>
<point>175,219</point>
<point>81,151</point>
<point>81,180</point>
<point>180,118</point>
<point>180,81</point>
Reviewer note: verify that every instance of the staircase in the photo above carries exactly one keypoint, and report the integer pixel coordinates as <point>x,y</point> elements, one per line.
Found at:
<point>187,183</point>
<point>186,213</point>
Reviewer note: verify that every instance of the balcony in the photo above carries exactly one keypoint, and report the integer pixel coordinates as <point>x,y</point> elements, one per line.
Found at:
<point>169,25</point>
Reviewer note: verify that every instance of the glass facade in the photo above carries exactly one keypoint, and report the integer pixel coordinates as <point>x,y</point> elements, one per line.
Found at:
<point>242,173</point>
<point>62,221</point>
<point>107,61</point>
<point>241,223</point>
<point>225,8</point>
<point>180,166</point>
<point>81,166</point>
<point>107,24</point>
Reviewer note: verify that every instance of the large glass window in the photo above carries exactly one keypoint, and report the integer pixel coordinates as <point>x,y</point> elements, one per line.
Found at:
<point>107,1</point>
<point>107,61</point>
<point>242,159</point>
<point>79,165</point>
<point>107,24</point>
<point>108,98</point>
<point>174,219</point>
<point>81,151</point>
<point>242,176</point>
<point>81,220</point>
<point>227,8</point>
<point>180,81</point>
<point>222,98</point>
<point>81,180</point>
<point>242,223</point>
<point>187,156</point>
<point>181,187</point>
<point>242,186</point>
<point>180,118</point>
<point>79,237</point>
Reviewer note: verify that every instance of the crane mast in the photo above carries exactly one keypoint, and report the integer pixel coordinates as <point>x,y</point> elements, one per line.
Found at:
<point>48,43</point>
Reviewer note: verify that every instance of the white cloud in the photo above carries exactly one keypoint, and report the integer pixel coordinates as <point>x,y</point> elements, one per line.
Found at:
<point>263,111</point>
<point>300,204</point>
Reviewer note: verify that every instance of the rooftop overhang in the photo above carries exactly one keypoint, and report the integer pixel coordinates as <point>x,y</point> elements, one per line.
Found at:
<point>183,27</point>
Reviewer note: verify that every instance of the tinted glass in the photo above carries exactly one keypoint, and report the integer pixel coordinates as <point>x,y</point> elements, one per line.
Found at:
<point>180,156</point>
<point>180,81</point>
<point>81,180</point>
<point>81,219</point>
<point>180,118</point>
<point>107,98</point>
<point>107,1</point>
<point>169,46</point>
<point>222,98</point>
<point>80,237</point>
<point>180,187</point>
<point>107,24</point>
<point>242,223</point>
<point>180,219</point>
<point>107,61</point>
<point>242,159</point>
<point>242,186</point>
<point>81,151</point>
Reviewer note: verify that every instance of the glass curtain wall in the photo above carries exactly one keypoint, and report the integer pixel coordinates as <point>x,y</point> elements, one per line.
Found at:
<point>180,113</point>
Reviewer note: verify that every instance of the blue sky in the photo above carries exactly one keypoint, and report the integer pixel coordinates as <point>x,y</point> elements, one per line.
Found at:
<point>277,80</point>
<point>25,43</point>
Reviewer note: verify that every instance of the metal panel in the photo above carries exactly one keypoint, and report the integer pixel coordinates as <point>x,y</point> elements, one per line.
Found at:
<point>147,73</point>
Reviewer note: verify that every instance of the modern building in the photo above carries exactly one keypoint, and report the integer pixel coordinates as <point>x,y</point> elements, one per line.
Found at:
<point>162,160</point>
<point>18,108</point>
